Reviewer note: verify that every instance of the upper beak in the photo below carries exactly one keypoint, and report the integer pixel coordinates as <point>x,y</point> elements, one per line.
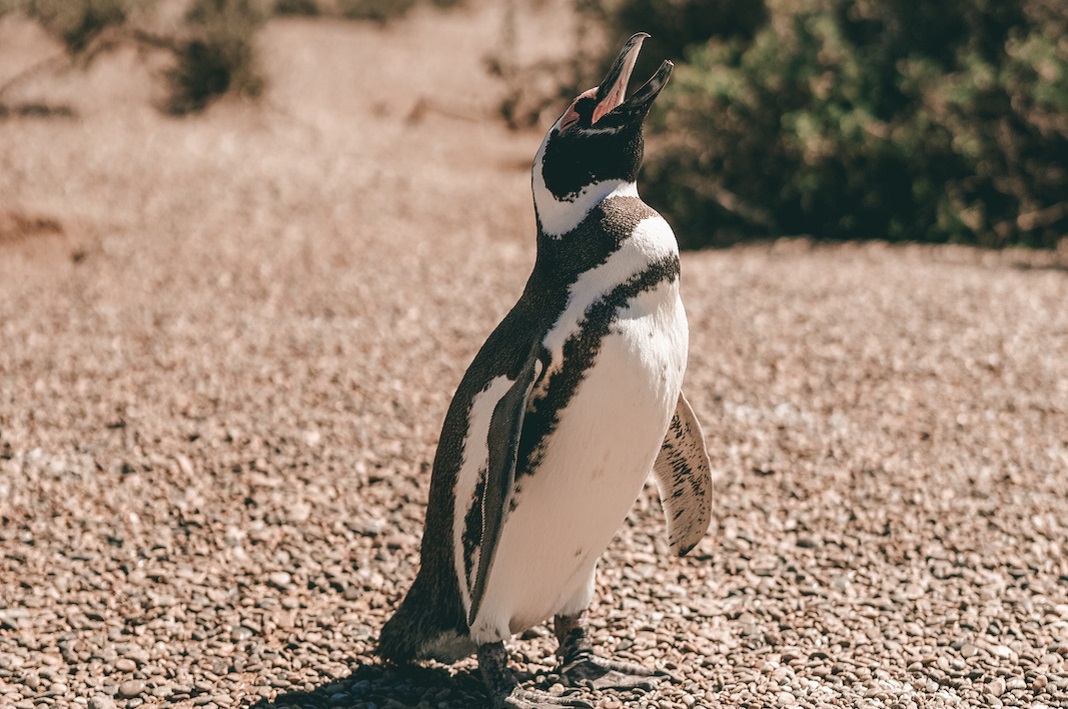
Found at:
<point>613,89</point>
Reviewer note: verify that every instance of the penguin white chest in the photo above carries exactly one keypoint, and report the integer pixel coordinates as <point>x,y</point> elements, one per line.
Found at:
<point>591,468</point>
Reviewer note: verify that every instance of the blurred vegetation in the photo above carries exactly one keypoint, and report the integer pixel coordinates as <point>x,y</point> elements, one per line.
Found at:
<point>383,11</point>
<point>375,10</point>
<point>856,119</point>
<point>217,57</point>
<point>78,24</point>
<point>308,8</point>
<point>213,47</point>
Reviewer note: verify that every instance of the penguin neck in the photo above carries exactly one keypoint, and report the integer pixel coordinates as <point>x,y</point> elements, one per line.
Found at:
<point>557,217</point>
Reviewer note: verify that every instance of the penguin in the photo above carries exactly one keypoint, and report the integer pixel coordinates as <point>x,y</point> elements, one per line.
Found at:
<point>570,403</point>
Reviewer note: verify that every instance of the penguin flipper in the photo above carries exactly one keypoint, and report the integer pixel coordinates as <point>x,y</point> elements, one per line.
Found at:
<point>506,425</point>
<point>683,476</point>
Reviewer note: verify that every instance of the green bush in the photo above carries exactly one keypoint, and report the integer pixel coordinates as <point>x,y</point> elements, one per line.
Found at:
<point>878,119</point>
<point>219,57</point>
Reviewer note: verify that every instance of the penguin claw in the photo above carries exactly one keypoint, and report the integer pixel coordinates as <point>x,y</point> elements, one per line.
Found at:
<point>520,698</point>
<point>600,673</point>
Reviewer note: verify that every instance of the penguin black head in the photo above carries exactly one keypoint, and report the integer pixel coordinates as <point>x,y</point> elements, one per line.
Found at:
<point>595,148</point>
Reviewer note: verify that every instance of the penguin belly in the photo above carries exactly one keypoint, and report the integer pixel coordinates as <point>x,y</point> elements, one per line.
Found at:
<point>594,466</point>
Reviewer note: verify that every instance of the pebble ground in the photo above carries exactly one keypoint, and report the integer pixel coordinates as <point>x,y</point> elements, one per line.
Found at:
<point>228,343</point>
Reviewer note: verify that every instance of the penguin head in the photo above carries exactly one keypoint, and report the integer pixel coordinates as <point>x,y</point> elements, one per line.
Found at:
<point>595,147</point>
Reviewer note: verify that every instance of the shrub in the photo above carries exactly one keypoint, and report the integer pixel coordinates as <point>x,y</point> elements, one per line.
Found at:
<point>76,23</point>
<point>296,7</point>
<point>218,57</point>
<point>375,10</point>
<point>383,11</point>
<point>877,119</point>
<point>214,51</point>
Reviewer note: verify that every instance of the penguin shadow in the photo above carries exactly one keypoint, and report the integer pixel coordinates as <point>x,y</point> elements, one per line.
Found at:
<point>378,686</point>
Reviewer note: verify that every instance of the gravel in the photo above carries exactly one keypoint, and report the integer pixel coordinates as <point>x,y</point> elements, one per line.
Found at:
<point>229,342</point>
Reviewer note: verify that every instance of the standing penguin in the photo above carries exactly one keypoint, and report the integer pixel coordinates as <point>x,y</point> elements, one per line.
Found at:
<point>573,399</point>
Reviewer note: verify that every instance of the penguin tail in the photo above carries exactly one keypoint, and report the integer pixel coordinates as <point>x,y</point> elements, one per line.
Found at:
<point>417,632</point>
<point>401,637</point>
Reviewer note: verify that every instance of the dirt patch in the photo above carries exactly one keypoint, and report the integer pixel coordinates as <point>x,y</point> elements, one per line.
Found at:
<point>17,226</point>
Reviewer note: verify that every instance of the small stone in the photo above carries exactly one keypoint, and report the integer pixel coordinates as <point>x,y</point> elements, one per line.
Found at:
<point>996,687</point>
<point>1002,651</point>
<point>371,527</point>
<point>131,688</point>
<point>401,541</point>
<point>299,513</point>
<point>125,664</point>
<point>279,579</point>
<point>241,632</point>
<point>1039,683</point>
<point>841,584</point>
<point>786,699</point>
<point>138,655</point>
<point>764,566</point>
<point>968,650</point>
<point>101,701</point>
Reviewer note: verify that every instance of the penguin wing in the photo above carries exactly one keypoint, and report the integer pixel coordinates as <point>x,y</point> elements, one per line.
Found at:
<point>683,476</point>
<point>506,425</point>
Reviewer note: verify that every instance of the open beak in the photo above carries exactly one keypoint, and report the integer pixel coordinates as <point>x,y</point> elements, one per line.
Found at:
<point>612,91</point>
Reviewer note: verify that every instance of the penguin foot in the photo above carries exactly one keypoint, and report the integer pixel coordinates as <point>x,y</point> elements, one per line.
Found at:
<point>600,673</point>
<point>579,666</point>
<point>506,693</point>
<point>520,698</point>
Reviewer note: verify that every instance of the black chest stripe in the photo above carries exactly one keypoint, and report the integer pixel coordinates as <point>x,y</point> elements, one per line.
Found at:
<point>579,353</point>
